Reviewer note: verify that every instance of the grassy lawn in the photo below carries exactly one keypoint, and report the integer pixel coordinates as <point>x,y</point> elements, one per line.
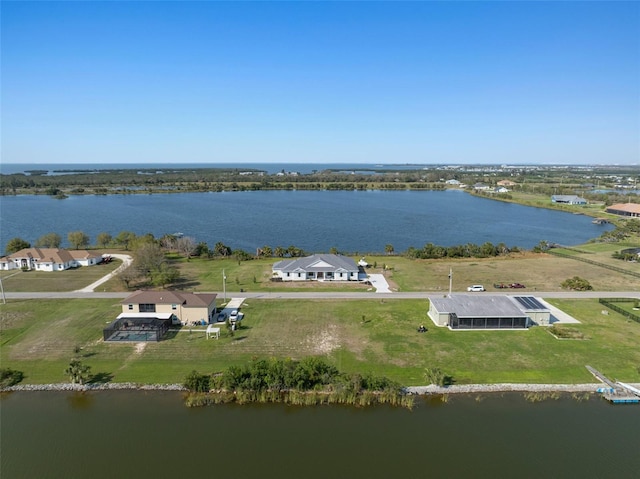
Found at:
<point>538,272</point>
<point>39,337</point>
<point>68,280</point>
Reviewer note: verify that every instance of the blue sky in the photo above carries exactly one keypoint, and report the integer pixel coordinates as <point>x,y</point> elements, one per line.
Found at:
<point>320,82</point>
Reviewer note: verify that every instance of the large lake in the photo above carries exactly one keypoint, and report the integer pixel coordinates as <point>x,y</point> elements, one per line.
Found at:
<point>152,435</point>
<point>316,221</point>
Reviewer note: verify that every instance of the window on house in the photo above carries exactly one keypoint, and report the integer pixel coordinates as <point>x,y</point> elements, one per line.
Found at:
<point>174,306</point>
<point>131,307</point>
<point>147,308</point>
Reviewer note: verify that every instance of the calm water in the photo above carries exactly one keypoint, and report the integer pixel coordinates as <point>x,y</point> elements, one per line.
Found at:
<point>151,435</point>
<point>316,221</point>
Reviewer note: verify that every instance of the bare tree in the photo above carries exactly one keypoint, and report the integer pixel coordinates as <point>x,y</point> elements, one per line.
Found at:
<point>128,275</point>
<point>186,246</point>
<point>148,257</point>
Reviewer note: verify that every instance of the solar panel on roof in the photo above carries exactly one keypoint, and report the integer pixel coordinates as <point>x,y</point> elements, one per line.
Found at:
<point>529,302</point>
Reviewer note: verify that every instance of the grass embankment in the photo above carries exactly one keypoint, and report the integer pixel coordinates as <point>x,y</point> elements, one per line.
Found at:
<point>596,210</point>
<point>376,336</point>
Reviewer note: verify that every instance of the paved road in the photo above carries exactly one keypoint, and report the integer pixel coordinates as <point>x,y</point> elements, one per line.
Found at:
<point>335,295</point>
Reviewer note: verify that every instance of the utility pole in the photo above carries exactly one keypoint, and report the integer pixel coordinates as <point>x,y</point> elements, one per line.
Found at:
<point>224,285</point>
<point>4,300</point>
<point>450,280</point>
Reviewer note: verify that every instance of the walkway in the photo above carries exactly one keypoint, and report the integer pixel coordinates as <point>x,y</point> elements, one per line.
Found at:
<point>126,261</point>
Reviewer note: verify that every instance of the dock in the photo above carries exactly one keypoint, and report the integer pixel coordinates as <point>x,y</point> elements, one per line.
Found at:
<point>616,392</point>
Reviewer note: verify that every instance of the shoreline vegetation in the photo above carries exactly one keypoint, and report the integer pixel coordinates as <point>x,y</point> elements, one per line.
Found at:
<point>526,185</point>
<point>531,392</point>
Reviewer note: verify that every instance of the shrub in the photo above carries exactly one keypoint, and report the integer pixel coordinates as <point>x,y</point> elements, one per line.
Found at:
<point>577,284</point>
<point>9,377</point>
<point>196,382</point>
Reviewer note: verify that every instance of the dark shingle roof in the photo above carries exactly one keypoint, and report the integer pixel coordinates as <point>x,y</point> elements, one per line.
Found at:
<point>317,263</point>
<point>192,300</point>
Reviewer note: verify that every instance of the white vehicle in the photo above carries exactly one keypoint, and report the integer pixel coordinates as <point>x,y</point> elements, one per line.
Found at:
<point>475,288</point>
<point>233,317</point>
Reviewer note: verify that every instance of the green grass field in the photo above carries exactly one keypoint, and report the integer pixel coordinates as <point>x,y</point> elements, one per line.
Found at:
<point>68,280</point>
<point>39,337</point>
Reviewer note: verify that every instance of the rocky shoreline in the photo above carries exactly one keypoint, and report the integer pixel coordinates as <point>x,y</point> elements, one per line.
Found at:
<point>417,390</point>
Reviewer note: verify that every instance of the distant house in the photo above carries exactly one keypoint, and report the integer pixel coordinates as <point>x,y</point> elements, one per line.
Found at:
<point>488,312</point>
<point>316,267</point>
<point>624,209</point>
<point>568,199</point>
<point>481,187</point>
<point>187,307</point>
<point>501,189</point>
<point>508,183</point>
<point>453,182</point>
<point>49,259</point>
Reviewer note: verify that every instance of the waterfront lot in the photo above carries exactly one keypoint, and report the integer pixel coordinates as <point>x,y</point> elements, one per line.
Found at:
<point>39,338</point>
<point>68,280</point>
<point>538,272</point>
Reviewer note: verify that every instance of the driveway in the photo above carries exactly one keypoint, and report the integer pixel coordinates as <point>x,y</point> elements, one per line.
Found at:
<point>126,261</point>
<point>379,282</point>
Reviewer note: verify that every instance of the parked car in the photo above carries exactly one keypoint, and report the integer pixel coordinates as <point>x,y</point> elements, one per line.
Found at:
<point>222,317</point>
<point>475,288</point>
<point>517,285</point>
<point>233,317</point>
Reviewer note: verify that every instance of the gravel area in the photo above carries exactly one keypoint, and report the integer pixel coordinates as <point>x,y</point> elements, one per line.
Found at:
<point>504,387</point>
<point>431,389</point>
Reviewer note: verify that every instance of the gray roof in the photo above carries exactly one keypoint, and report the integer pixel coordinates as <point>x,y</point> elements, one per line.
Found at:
<point>317,263</point>
<point>471,306</point>
<point>567,198</point>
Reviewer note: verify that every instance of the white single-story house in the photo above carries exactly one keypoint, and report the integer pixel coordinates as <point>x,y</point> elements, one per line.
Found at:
<point>49,259</point>
<point>568,199</point>
<point>187,307</point>
<point>332,267</point>
<point>453,182</point>
<point>488,312</point>
<point>501,189</point>
<point>481,187</point>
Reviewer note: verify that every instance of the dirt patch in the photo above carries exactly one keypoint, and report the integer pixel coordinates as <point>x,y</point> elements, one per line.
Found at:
<point>324,341</point>
<point>140,348</point>
<point>10,319</point>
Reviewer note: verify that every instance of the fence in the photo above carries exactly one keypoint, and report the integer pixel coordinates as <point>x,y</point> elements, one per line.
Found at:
<point>608,302</point>
<point>595,263</point>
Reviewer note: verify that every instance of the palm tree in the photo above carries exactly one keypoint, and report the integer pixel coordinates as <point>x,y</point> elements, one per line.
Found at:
<point>389,249</point>
<point>78,373</point>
